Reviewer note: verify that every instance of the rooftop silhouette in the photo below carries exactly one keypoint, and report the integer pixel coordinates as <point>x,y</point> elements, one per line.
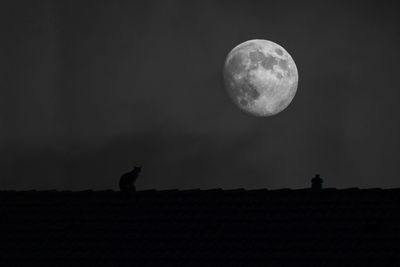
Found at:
<point>201,227</point>
<point>316,183</point>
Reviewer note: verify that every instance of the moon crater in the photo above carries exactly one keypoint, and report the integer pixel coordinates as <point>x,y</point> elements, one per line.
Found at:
<point>261,77</point>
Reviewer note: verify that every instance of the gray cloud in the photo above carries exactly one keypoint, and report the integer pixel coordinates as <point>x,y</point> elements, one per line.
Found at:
<point>89,89</point>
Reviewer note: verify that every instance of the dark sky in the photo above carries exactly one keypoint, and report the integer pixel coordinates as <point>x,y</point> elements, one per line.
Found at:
<point>90,88</point>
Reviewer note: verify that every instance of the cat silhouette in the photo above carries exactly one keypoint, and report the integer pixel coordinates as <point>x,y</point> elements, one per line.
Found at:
<point>127,180</point>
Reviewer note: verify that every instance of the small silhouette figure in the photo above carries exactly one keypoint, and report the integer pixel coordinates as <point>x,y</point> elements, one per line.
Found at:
<point>316,183</point>
<point>127,180</point>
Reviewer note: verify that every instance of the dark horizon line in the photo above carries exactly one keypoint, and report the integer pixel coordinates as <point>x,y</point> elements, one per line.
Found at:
<point>328,189</point>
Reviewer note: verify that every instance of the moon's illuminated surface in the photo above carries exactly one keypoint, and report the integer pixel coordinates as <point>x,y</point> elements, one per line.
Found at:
<point>261,77</point>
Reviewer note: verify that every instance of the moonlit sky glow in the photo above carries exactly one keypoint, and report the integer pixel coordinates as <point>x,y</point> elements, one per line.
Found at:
<point>90,88</point>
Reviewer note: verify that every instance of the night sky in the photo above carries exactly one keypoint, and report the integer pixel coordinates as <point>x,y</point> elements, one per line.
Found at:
<point>90,88</point>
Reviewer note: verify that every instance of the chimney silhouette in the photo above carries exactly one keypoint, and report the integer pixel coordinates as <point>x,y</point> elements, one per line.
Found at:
<point>316,183</point>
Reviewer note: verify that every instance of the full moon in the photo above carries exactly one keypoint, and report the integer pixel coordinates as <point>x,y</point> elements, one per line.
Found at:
<point>260,77</point>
